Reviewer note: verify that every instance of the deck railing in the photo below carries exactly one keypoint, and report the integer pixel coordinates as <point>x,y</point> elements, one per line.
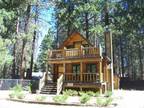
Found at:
<point>84,77</point>
<point>74,53</point>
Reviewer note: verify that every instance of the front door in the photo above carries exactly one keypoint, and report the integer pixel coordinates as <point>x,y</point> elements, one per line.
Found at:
<point>76,72</point>
<point>55,73</point>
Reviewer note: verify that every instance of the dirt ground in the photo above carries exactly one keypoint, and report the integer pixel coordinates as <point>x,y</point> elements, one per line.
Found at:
<point>122,99</point>
<point>129,99</point>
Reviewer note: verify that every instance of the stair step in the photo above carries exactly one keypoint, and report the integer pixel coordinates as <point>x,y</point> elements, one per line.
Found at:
<point>49,88</point>
<point>47,92</point>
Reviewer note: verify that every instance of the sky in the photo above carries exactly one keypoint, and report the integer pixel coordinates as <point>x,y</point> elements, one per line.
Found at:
<point>44,24</point>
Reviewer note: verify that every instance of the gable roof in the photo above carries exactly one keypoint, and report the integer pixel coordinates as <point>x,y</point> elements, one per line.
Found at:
<point>74,34</point>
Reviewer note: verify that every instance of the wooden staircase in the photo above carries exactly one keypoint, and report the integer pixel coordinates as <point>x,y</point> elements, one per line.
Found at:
<point>49,88</point>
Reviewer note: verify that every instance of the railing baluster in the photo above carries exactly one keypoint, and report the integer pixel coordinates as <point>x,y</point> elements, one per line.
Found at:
<point>87,77</point>
<point>72,53</point>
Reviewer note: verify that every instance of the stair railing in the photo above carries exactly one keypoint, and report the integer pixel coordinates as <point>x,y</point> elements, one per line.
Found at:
<point>60,84</point>
<point>42,80</point>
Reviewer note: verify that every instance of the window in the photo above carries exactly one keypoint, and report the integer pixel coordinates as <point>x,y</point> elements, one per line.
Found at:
<point>76,68</point>
<point>91,68</point>
<point>85,45</point>
<point>70,46</point>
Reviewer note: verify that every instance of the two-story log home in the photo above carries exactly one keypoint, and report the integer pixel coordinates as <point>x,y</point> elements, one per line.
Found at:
<point>79,65</point>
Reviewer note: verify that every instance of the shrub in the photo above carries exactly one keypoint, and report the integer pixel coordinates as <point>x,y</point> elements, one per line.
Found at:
<point>18,88</point>
<point>84,98</point>
<point>82,93</point>
<point>17,91</point>
<point>104,101</point>
<point>70,92</point>
<point>97,94</point>
<point>40,98</point>
<point>91,93</point>
<point>108,94</point>
<point>11,95</point>
<point>60,98</point>
<point>20,95</point>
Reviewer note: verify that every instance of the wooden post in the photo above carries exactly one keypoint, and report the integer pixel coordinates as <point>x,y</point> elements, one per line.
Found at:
<point>64,69</point>
<point>81,71</point>
<point>100,71</point>
<point>64,52</point>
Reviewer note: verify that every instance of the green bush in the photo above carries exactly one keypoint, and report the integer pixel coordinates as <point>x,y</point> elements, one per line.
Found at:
<point>60,98</point>
<point>84,98</point>
<point>108,94</point>
<point>97,94</point>
<point>20,95</point>
<point>18,88</point>
<point>104,101</point>
<point>40,98</point>
<point>82,93</point>
<point>17,92</point>
<point>91,93</point>
<point>70,92</point>
<point>12,95</point>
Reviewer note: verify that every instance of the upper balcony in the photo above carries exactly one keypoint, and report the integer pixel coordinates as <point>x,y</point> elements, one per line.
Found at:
<point>84,52</point>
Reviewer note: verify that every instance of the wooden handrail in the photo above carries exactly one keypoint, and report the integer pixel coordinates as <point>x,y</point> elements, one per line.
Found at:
<point>42,81</point>
<point>73,53</point>
<point>60,84</point>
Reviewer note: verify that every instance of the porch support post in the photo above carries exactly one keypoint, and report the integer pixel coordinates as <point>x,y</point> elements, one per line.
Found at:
<point>100,71</point>
<point>53,72</point>
<point>81,71</point>
<point>64,69</point>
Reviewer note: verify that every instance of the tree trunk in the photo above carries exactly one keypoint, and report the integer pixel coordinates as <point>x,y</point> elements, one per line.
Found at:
<point>69,19</point>
<point>14,62</point>
<point>33,44</point>
<point>121,55</point>
<point>24,41</point>
<point>140,60</point>
<point>14,51</point>
<point>106,14</point>
<point>86,23</point>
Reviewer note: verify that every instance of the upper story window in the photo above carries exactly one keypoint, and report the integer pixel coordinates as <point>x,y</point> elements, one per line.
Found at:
<point>91,68</point>
<point>85,45</point>
<point>70,46</point>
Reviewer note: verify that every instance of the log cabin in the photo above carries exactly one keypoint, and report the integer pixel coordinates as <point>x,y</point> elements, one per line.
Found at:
<point>80,65</point>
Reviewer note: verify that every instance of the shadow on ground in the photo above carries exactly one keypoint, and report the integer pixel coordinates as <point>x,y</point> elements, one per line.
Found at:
<point>127,84</point>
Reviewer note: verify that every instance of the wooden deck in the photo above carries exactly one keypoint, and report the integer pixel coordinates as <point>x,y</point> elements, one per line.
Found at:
<point>86,52</point>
